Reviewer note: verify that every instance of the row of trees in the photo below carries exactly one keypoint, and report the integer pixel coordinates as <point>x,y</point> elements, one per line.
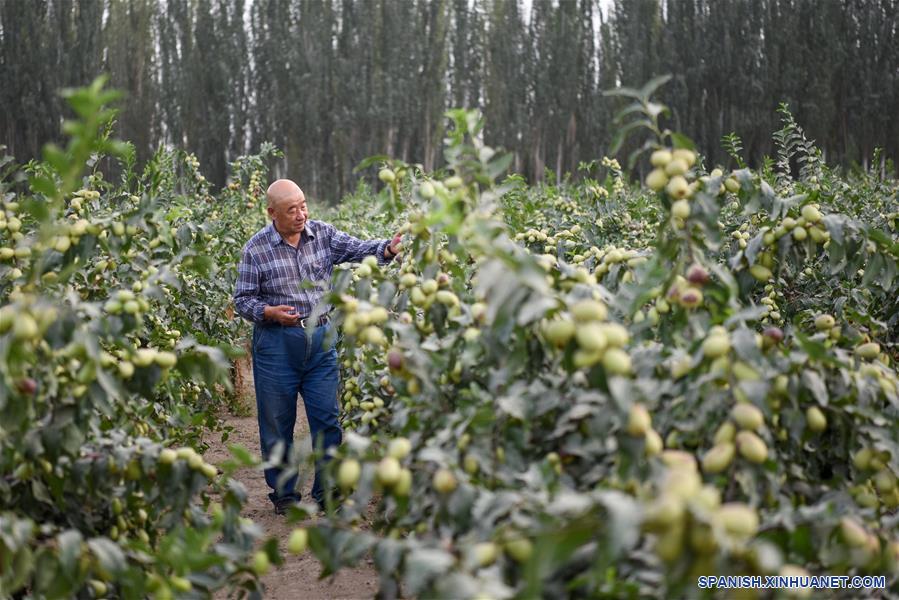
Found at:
<point>334,81</point>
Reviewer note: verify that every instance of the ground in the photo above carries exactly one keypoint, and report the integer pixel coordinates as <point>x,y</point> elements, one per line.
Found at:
<point>299,576</point>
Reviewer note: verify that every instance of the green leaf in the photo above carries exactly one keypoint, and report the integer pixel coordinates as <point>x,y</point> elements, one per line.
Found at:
<point>43,185</point>
<point>371,160</point>
<point>514,406</point>
<point>423,565</point>
<point>109,555</point>
<point>682,141</point>
<point>625,92</point>
<point>630,109</point>
<point>69,543</point>
<point>622,133</point>
<point>815,384</point>
<point>242,455</point>
<point>652,86</point>
<point>388,555</point>
<point>39,210</point>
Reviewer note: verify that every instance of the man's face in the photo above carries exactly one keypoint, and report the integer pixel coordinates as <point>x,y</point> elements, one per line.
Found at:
<point>289,214</point>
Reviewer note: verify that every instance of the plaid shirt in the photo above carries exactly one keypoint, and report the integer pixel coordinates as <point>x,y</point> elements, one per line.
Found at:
<point>271,271</point>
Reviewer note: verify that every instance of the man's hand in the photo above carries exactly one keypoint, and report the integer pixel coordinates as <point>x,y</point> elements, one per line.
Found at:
<point>394,247</point>
<point>283,314</point>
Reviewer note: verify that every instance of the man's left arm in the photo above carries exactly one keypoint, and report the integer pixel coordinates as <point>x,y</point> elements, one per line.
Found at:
<point>346,248</point>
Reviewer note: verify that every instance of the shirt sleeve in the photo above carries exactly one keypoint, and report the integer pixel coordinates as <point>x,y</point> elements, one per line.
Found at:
<point>246,291</point>
<point>346,248</point>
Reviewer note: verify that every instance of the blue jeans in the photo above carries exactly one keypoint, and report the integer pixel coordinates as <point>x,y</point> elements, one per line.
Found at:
<point>286,361</point>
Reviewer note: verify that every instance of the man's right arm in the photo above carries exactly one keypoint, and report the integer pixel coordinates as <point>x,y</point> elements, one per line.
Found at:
<point>246,291</point>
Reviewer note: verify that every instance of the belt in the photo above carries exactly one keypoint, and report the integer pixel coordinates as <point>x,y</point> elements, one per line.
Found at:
<point>322,320</point>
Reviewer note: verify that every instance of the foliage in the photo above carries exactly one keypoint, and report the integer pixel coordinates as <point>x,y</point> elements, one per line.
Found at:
<point>576,389</point>
<point>114,352</point>
<point>593,390</point>
<point>334,81</point>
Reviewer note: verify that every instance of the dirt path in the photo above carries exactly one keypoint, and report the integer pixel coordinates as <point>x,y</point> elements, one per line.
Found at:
<point>298,578</point>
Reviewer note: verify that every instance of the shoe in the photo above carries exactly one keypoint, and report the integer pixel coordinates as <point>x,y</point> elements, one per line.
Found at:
<point>283,504</point>
<point>337,498</point>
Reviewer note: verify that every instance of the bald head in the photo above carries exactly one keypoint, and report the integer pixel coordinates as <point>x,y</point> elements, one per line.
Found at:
<point>287,207</point>
<point>282,190</point>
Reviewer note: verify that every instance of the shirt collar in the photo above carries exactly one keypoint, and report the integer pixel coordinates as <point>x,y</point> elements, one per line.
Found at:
<point>275,238</point>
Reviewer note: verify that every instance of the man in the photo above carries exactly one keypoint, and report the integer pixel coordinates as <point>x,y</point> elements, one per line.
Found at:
<point>291,353</point>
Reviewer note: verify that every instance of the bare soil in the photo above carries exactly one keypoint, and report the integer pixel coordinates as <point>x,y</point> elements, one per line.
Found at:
<point>298,577</point>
